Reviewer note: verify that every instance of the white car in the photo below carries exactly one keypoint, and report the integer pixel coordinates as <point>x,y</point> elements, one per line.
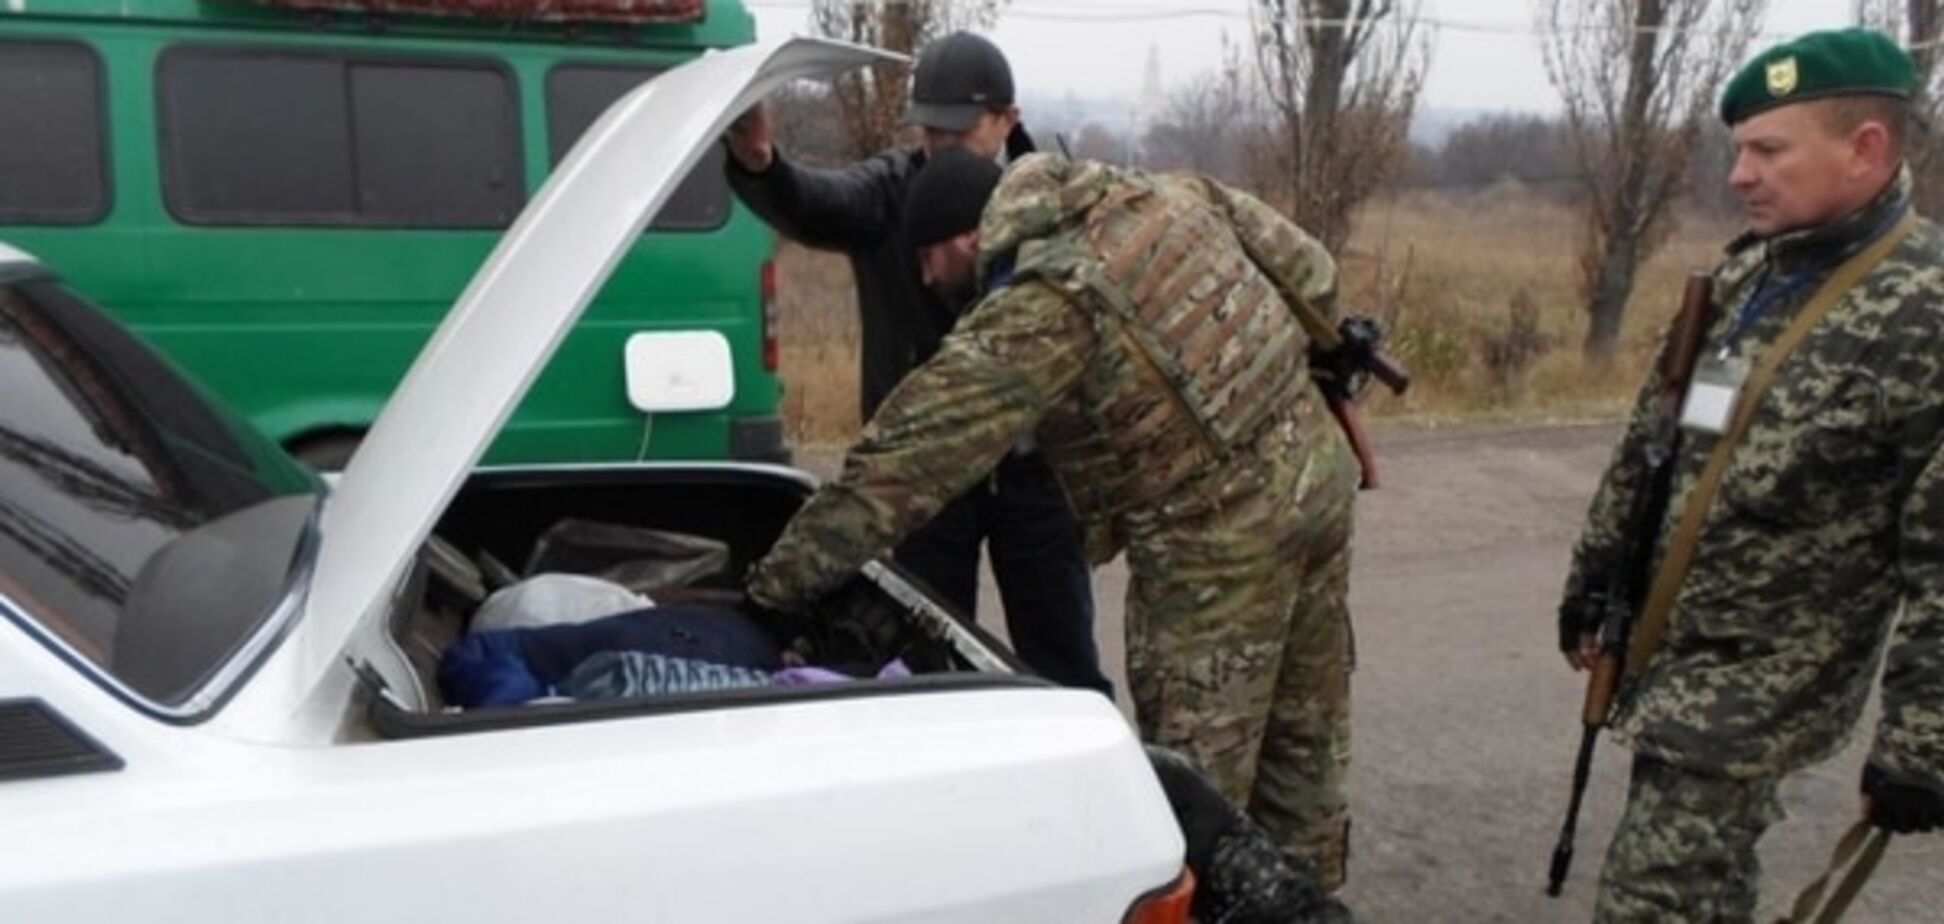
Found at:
<point>214,702</point>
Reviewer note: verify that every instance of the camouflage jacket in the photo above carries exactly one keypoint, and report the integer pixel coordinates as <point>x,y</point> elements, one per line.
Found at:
<point>1035,357</point>
<point>1828,521</point>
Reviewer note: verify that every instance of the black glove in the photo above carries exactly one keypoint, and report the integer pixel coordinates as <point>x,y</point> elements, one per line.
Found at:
<point>858,632</point>
<point>1579,614</point>
<point>1901,808</point>
<point>790,630</point>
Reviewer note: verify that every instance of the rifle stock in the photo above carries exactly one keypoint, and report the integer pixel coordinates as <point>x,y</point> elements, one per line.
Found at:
<point>1600,689</point>
<point>1345,411</point>
<point>1633,568</point>
<point>1690,326</point>
<point>1343,362</point>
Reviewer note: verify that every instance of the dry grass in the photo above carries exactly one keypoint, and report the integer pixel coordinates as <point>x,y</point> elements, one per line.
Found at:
<point>817,329</point>
<point>1480,292</point>
<point>1450,274</point>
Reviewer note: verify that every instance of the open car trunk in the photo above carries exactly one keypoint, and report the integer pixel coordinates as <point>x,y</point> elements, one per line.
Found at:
<point>489,534</point>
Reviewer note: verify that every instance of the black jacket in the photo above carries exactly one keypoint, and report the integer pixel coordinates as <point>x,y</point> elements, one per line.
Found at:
<point>855,210</point>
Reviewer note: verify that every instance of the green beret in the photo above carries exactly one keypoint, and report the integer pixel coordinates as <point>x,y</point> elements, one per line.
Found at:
<point>1838,62</point>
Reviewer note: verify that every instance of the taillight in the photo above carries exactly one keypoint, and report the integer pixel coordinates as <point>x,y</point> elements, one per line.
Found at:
<point>1165,905</point>
<point>772,352</point>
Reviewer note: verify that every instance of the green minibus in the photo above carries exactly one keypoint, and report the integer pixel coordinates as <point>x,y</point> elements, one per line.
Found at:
<point>286,196</point>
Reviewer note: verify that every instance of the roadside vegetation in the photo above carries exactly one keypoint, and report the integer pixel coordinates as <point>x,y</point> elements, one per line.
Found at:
<point>1524,265</point>
<point>1479,288</point>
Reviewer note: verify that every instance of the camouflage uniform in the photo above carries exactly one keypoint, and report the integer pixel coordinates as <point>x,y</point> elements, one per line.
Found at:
<point>1829,518</point>
<point>1168,383</point>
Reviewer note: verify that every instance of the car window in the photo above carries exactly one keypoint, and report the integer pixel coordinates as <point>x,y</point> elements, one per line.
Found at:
<point>52,166</point>
<point>578,94</point>
<point>148,530</point>
<point>258,137</point>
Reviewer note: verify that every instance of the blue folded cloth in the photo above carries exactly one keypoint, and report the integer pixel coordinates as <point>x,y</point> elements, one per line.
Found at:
<point>488,669</point>
<point>627,674</point>
<point>512,666</point>
<point>698,633</point>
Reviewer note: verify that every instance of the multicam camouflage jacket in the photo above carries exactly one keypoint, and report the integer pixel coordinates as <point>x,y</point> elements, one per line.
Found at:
<point>1136,396</point>
<point>1828,522</point>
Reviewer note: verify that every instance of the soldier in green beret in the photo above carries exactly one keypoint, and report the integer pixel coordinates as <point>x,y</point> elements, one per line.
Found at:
<point>1810,465</point>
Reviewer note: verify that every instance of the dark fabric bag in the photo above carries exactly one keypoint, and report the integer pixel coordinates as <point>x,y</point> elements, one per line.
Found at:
<point>697,633</point>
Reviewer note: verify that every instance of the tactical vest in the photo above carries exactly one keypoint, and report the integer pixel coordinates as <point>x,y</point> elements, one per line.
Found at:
<point>1176,304</point>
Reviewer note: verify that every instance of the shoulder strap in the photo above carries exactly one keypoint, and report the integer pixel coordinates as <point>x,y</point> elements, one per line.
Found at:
<point>1680,551</point>
<point>1855,858</point>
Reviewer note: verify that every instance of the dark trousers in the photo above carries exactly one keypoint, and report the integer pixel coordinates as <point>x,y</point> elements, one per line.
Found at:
<point>1037,559</point>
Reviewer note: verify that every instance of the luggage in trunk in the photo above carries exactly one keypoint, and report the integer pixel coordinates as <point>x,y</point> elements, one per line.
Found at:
<point>880,618</point>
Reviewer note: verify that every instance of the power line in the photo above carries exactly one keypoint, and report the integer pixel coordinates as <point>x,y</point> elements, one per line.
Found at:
<point>1121,14</point>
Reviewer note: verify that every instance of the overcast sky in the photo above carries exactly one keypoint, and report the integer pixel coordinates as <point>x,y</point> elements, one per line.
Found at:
<point>1486,56</point>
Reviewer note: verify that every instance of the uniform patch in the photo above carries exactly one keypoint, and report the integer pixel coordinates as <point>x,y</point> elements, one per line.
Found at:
<point>1782,77</point>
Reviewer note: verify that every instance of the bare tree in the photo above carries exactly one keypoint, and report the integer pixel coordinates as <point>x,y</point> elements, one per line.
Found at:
<point>809,123</point>
<point>1920,23</point>
<point>1709,165</point>
<point>1340,78</point>
<point>1098,142</point>
<point>873,100</point>
<point>1199,128</point>
<point>1528,148</point>
<point>1638,79</point>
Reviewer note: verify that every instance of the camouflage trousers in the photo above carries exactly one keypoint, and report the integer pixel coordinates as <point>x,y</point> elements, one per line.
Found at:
<point>1685,848</point>
<point>1239,648</point>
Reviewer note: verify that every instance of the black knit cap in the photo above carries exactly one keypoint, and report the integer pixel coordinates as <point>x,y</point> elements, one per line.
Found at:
<point>947,196</point>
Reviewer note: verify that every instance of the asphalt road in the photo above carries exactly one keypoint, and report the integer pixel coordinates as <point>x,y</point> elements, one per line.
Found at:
<point>1465,716</point>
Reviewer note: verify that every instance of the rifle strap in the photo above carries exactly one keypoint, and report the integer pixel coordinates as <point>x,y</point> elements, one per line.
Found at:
<point>1322,334</point>
<point>1679,556</point>
<point>1855,858</point>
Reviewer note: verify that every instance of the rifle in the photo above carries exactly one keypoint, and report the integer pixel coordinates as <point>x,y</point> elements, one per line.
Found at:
<point>1613,614</point>
<point>1343,368</point>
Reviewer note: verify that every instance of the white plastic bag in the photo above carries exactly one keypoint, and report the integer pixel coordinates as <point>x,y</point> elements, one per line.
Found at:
<point>552,599</point>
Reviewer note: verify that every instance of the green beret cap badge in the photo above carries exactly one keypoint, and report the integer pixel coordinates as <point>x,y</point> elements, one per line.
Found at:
<point>1819,65</point>
<point>1782,76</point>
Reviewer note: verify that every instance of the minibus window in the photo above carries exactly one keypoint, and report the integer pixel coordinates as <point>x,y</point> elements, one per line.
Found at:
<point>578,94</point>
<point>303,138</point>
<point>52,169</point>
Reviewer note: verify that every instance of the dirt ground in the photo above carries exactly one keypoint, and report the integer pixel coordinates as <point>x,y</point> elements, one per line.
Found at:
<point>1465,716</point>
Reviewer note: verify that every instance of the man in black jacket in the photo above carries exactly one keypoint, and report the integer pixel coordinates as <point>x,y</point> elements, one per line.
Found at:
<point>962,96</point>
